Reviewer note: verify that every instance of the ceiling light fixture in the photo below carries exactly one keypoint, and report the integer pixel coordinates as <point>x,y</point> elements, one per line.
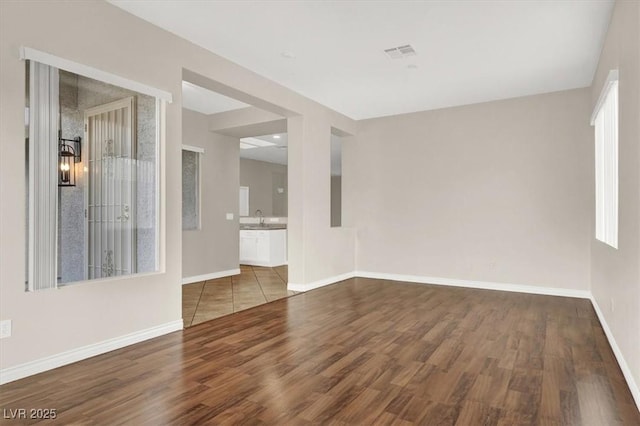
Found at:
<point>289,55</point>
<point>276,136</point>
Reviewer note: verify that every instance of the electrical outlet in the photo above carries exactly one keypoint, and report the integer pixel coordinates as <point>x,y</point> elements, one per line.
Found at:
<point>611,304</point>
<point>5,329</point>
<point>229,216</point>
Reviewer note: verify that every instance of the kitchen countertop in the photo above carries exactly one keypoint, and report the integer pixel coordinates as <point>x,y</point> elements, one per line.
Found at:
<point>266,227</point>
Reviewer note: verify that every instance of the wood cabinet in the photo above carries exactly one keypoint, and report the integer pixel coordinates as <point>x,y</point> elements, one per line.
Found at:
<point>263,247</point>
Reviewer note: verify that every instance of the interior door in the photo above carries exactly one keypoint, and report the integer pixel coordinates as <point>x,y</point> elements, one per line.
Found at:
<point>110,189</point>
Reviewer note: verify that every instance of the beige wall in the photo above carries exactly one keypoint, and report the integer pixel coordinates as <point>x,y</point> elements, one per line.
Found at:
<point>316,250</point>
<point>250,121</point>
<point>51,322</point>
<point>263,179</point>
<point>615,274</point>
<point>497,192</point>
<point>213,247</point>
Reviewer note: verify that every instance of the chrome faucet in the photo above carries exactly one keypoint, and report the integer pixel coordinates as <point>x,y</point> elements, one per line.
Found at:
<point>261,216</point>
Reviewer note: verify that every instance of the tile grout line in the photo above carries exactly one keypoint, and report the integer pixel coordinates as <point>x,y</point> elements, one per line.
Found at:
<point>234,281</point>
<point>259,285</point>
<point>280,276</point>
<point>195,311</point>
<point>293,293</point>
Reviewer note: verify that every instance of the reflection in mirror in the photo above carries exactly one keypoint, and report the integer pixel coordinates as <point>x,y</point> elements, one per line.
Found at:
<point>190,188</point>
<point>263,170</point>
<point>92,179</point>
<point>244,201</point>
<point>336,181</point>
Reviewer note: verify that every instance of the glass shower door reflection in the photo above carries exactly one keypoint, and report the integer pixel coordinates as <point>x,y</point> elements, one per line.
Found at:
<point>111,189</point>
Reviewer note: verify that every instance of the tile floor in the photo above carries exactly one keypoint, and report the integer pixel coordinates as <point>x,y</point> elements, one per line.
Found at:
<point>254,286</point>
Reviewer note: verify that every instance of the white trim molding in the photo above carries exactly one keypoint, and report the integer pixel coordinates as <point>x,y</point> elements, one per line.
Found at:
<point>211,276</point>
<point>262,264</point>
<point>612,78</point>
<point>484,285</point>
<point>626,371</point>
<point>54,361</point>
<point>27,53</point>
<point>320,283</point>
<point>193,148</point>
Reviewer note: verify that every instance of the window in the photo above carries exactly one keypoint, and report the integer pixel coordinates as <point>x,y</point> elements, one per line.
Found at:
<point>336,180</point>
<point>191,187</point>
<point>605,120</point>
<point>92,169</point>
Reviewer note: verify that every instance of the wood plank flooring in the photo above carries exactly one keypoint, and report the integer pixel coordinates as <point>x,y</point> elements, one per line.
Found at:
<point>206,300</point>
<point>358,352</point>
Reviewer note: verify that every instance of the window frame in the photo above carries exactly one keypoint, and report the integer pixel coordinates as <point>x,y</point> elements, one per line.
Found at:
<point>161,99</point>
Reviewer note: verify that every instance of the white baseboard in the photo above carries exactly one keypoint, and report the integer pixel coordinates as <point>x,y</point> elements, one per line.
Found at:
<point>320,283</point>
<point>262,264</point>
<point>211,276</point>
<point>54,361</point>
<point>485,285</point>
<point>626,371</point>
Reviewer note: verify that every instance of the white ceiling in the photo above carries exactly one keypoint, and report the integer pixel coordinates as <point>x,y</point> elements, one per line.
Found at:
<point>467,51</point>
<point>271,154</point>
<point>205,101</point>
<point>278,153</point>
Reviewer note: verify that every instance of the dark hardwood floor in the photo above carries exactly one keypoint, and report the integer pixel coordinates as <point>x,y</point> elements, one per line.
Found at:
<point>358,352</point>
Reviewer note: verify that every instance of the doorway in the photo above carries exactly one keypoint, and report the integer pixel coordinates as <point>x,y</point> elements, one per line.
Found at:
<point>235,256</point>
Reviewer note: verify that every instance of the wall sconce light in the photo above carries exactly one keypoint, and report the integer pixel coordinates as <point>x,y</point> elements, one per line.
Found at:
<point>69,153</point>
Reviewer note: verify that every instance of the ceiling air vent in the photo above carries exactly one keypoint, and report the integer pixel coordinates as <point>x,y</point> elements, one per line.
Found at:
<point>400,51</point>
